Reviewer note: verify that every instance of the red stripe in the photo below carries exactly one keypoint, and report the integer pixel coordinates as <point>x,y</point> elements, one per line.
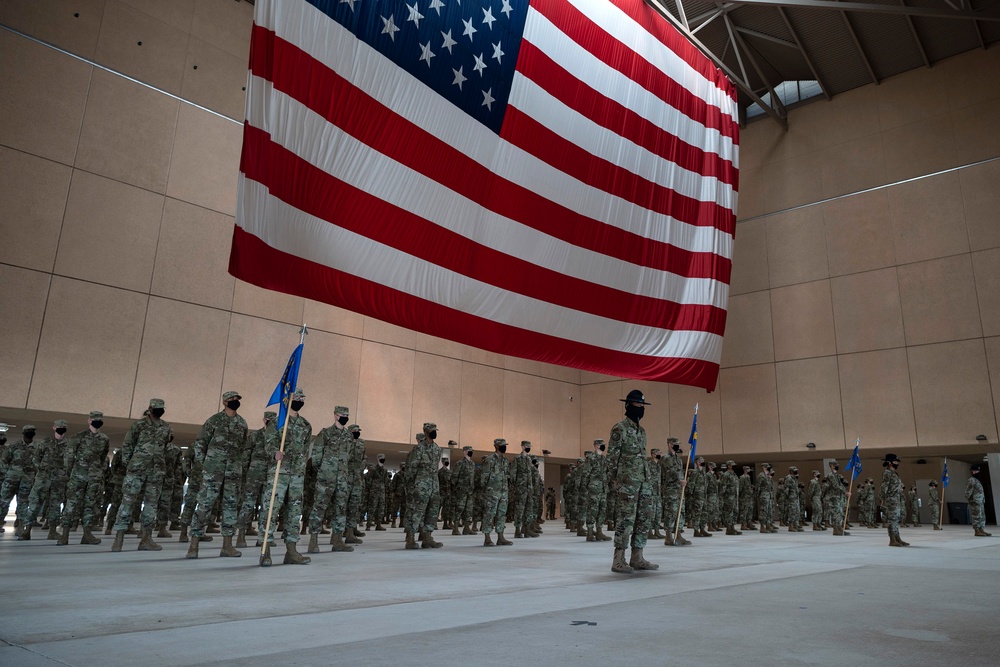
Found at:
<point>581,29</point>
<point>536,65</point>
<point>311,190</point>
<point>254,261</point>
<point>301,77</point>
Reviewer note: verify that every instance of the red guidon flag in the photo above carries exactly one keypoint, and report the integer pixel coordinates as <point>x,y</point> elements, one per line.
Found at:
<point>553,179</point>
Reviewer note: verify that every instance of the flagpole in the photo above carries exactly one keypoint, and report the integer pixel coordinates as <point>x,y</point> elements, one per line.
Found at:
<point>277,468</point>
<point>680,505</point>
<point>850,487</point>
<point>943,487</point>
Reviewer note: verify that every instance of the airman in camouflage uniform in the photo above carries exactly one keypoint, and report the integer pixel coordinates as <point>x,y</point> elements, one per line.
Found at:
<point>193,470</point>
<point>289,467</point>
<point>794,511</point>
<point>444,484</point>
<point>765,498</point>
<point>712,513</point>
<point>422,491</point>
<point>356,481</point>
<point>173,463</point>
<point>697,488</point>
<point>378,480</point>
<point>815,494</point>
<point>836,490</point>
<point>567,493</point>
<point>331,460</point>
<point>914,503</point>
<point>255,481</point>
<point>220,448</point>
<point>495,471</point>
<point>595,474</point>
<point>976,498</point>
<point>398,509</point>
<point>463,492</point>
<point>521,484</point>
<point>747,500</point>
<point>550,503</point>
<point>579,496</point>
<point>143,454</point>
<point>729,488</point>
<point>49,486</point>
<point>672,485</point>
<point>628,474</point>
<point>537,491</point>
<point>891,488</point>
<point>85,463</point>
<point>653,463</point>
<point>19,475</point>
<point>935,504</point>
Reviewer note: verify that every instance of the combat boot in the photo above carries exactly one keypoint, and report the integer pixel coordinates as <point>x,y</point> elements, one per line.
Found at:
<point>146,542</point>
<point>590,535</point>
<point>130,530</point>
<point>358,533</point>
<point>502,541</point>
<point>163,532</point>
<point>393,524</point>
<point>116,545</point>
<point>937,527</point>
<point>265,558</point>
<point>455,530</point>
<point>637,562</point>
<point>428,542</point>
<point>487,542</point>
<point>88,537</point>
<point>205,538</point>
<point>184,534</point>
<point>601,537</point>
<point>64,537</point>
<point>241,538</point>
<point>368,526</point>
<point>107,531</point>
<point>193,547</point>
<point>379,526</point>
<point>731,530</point>
<point>410,542</point>
<point>893,542</point>
<point>536,530</point>
<point>901,542</point>
<point>981,533</point>
<point>681,541</point>
<point>313,547</point>
<point>337,543</point>
<point>668,541</point>
<point>581,530</point>
<point>764,529</point>
<point>466,530</point>
<point>251,531</point>
<point>618,563</point>
<point>174,525</point>
<point>53,532</point>
<point>657,535</point>
<point>25,533</point>
<point>517,533</point>
<point>474,530</point>
<point>351,536</point>
<point>293,557</point>
<point>228,551</point>
<point>212,527</point>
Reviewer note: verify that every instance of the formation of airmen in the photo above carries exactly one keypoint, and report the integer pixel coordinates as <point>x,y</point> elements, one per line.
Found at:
<point>232,473</point>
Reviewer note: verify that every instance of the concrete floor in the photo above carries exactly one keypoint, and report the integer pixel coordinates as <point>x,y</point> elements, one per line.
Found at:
<point>789,599</point>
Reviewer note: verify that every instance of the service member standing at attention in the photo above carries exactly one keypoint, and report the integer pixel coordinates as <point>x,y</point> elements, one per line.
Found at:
<point>444,484</point>
<point>290,482</point>
<point>794,510</point>
<point>521,479</point>
<point>255,465</point>
<point>463,487</point>
<point>628,475</point>
<point>815,494</point>
<point>19,475</point>
<point>86,460</point>
<point>422,493</point>
<point>977,499</point>
<point>672,484</point>
<point>765,498</point>
<point>729,488</point>
<point>839,497</point>
<point>597,493</point>
<point>747,500</point>
<point>50,478</point>
<point>143,453</point>
<point>891,493</point>
<point>378,480</point>
<point>330,459</point>
<point>935,498</point>
<point>494,473</point>
<point>220,447</point>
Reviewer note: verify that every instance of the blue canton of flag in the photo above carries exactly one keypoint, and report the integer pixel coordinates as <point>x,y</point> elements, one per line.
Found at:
<point>944,474</point>
<point>855,462</point>
<point>286,386</point>
<point>464,52</point>
<point>693,440</point>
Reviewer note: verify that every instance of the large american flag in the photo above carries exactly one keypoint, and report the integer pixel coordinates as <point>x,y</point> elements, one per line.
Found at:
<point>553,179</point>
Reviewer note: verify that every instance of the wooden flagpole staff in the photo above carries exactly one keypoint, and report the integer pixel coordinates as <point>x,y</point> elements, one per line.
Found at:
<point>848,503</point>
<point>680,505</point>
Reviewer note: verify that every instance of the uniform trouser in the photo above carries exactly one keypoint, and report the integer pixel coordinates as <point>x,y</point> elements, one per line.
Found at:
<point>494,511</point>
<point>216,487</point>
<point>634,518</point>
<point>166,495</point>
<point>550,508</point>
<point>255,487</point>
<point>837,510</point>
<point>915,514</point>
<point>463,506</point>
<point>352,512</point>
<point>116,500</point>
<point>446,507</point>
<point>892,512</point>
<point>133,494</point>
<point>712,508</point>
<point>421,508</point>
<point>191,498</point>
<point>82,495</point>
<point>16,484</point>
<point>671,502</point>
<point>794,512</point>
<point>376,506</point>
<point>287,503</point>
<point>698,516</point>
<point>828,511</point>
<point>520,507</point>
<point>766,509</point>
<point>817,510</point>
<point>729,510</point>
<point>746,509</point>
<point>37,497</point>
<point>176,499</point>
<point>597,505</point>
<point>977,511</point>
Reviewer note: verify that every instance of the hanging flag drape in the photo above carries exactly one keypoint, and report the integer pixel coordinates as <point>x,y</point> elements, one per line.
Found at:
<point>555,180</point>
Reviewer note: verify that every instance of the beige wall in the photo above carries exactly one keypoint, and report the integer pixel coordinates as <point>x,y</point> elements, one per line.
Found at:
<point>874,314</point>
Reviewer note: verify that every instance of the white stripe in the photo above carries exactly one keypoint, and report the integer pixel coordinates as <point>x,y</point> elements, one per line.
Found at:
<point>309,136</point>
<point>328,42</point>
<point>622,27</point>
<point>292,231</point>
<point>594,72</point>
<point>601,142</point>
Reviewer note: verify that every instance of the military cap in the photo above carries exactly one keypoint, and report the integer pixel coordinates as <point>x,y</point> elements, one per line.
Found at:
<point>28,427</point>
<point>731,463</point>
<point>634,396</point>
<point>230,395</point>
<point>975,467</point>
<point>745,468</point>
<point>588,454</point>
<point>766,466</point>
<point>933,482</point>
<point>724,466</point>
<point>421,437</point>
<point>711,464</point>
<point>700,458</point>
<point>452,443</point>
<point>581,459</point>
<point>672,440</point>
<point>654,450</point>
<point>157,403</point>
<point>792,469</point>
<point>96,414</point>
<point>834,464</point>
<point>499,441</point>
<point>889,458</point>
<point>600,441</point>
<point>526,443</point>
<point>270,416</point>
<point>816,472</point>
<point>341,410</point>
<point>61,423</point>
<point>467,448</point>
<point>430,426</point>
<point>354,428</point>
<point>299,395</point>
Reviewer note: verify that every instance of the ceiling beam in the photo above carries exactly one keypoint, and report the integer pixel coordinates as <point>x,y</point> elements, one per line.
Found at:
<point>680,10</point>
<point>916,37</point>
<point>770,38</point>
<point>740,44</point>
<point>857,43</point>
<point>805,54</point>
<point>930,12</point>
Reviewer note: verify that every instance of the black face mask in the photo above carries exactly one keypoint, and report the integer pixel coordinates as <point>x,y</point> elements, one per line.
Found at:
<point>535,463</point>
<point>635,412</point>
<point>28,436</point>
<point>356,434</point>
<point>381,461</point>
<point>267,422</point>
<point>657,457</point>
<point>233,405</point>
<point>432,435</point>
<point>895,464</point>
<point>502,449</point>
<point>97,423</point>
<point>61,430</point>
<point>297,405</point>
<point>446,464</point>
<point>157,412</point>
<point>342,420</point>
<point>600,447</point>
<point>527,449</point>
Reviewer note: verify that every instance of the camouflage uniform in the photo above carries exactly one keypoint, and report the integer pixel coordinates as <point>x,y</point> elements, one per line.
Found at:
<point>478,503</point>
<point>378,480</point>
<point>914,505</point>
<point>729,488</point>
<point>193,470</point>
<point>422,491</point>
<point>765,500</point>
<point>568,491</point>
<point>976,498</point>
<point>172,464</point>
<point>114,477</point>
<point>143,454</point>
<point>85,465</point>
<point>935,505</point>
<point>220,448</point>
<point>672,493</point>
<point>495,470</point>
<point>288,492</point>
<point>794,510</point>
<point>356,485</point>
<point>747,499</point>
<point>596,475</point>
<point>398,508</point>
<point>19,473</point>
<point>653,474</point>
<point>537,488</point>
<point>520,480</point>
<point>463,490</point>
<point>331,461</point>
<point>891,487</point>
<point>255,465</point>
<point>629,476</point>
<point>49,487</point>
<point>815,493</point>
<point>713,514</point>
<point>836,490</point>
<point>445,492</point>
<point>550,503</point>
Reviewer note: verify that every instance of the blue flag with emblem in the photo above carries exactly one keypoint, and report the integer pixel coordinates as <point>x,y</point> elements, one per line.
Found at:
<point>693,440</point>
<point>855,462</point>
<point>287,385</point>
<point>944,474</point>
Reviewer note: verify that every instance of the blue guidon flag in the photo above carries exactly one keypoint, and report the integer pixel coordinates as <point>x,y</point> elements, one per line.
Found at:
<point>554,179</point>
